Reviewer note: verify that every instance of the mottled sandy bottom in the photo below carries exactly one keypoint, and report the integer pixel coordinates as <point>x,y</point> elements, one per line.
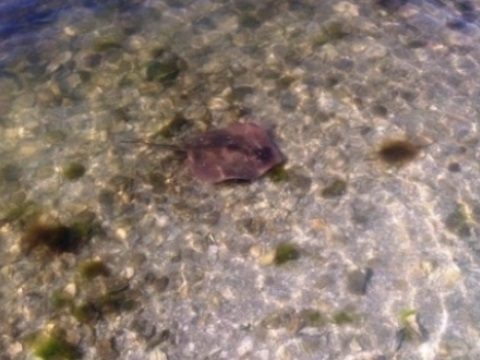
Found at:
<point>350,250</point>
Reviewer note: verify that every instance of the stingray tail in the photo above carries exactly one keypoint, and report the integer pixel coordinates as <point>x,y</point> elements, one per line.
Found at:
<point>172,147</point>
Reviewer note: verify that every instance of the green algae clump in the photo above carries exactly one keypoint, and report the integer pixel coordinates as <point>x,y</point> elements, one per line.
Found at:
<point>406,314</point>
<point>55,238</point>
<point>331,32</point>
<point>24,212</point>
<point>285,253</point>
<point>51,237</point>
<point>177,126</point>
<point>312,318</point>
<point>106,45</point>
<point>278,174</point>
<point>164,72</point>
<point>61,299</point>
<point>54,346</point>
<point>458,221</point>
<point>336,189</point>
<point>92,269</point>
<point>412,330</point>
<point>10,173</point>
<point>85,313</point>
<point>73,171</point>
<point>343,317</point>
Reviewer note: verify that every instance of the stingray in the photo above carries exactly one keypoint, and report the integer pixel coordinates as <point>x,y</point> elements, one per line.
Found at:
<point>241,151</point>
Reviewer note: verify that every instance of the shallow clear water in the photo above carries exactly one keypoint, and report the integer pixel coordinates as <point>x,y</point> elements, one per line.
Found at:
<point>145,261</point>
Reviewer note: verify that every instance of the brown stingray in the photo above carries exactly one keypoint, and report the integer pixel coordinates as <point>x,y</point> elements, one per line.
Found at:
<point>241,151</point>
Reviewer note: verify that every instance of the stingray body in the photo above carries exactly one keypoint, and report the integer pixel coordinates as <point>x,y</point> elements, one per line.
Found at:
<point>241,151</point>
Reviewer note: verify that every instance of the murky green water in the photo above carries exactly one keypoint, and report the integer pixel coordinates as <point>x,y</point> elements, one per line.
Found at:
<point>363,245</point>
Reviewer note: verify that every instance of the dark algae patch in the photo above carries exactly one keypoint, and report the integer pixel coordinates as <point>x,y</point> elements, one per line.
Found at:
<point>53,346</point>
<point>10,173</point>
<point>73,171</point>
<point>278,174</point>
<point>294,321</point>
<point>23,212</point>
<point>85,313</point>
<point>330,32</point>
<point>336,188</point>
<point>50,237</point>
<point>397,152</point>
<point>61,299</point>
<point>285,253</point>
<point>252,225</point>
<point>106,45</point>
<point>114,302</point>
<point>344,317</point>
<point>458,221</point>
<point>165,67</point>
<point>454,167</point>
<point>92,269</point>
<point>96,300</point>
<point>176,127</point>
<point>98,306</point>
<point>312,318</point>
<point>380,110</point>
<point>101,296</point>
<point>163,72</point>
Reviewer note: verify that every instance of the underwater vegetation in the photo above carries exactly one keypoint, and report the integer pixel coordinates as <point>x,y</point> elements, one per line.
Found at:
<point>344,317</point>
<point>53,237</point>
<point>165,67</point>
<point>53,345</point>
<point>10,173</point>
<point>73,171</point>
<point>91,310</point>
<point>294,321</point>
<point>283,253</point>
<point>93,268</point>
<point>50,237</point>
<point>286,252</point>
<point>336,188</point>
<point>278,174</point>
<point>177,126</point>
<point>454,167</point>
<point>397,152</point>
<point>459,222</point>
<point>330,32</point>
<point>412,330</point>
<point>99,293</point>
